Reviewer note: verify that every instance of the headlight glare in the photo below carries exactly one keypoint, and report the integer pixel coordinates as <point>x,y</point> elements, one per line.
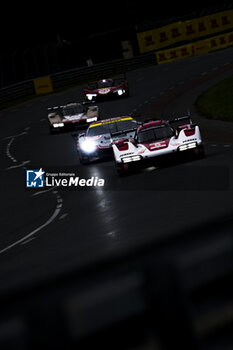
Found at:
<point>88,146</point>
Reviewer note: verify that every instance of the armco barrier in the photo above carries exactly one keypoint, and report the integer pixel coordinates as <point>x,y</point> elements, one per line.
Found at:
<point>17,91</point>
<point>74,76</point>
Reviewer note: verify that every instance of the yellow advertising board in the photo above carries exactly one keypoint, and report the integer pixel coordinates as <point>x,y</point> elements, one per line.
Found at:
<point>160,37</point>
<point>171,34</point>
<point>43,85</point>
<point>220,41</point>
<point>190,29</point>
<point>147,41</point>
<point>175,53</point>
<point>200,47</point>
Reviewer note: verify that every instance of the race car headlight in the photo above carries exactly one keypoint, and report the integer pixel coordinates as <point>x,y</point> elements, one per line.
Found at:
<point>88,146</point>
<point>187,146</point>
<point>119,92</point>
<point>131,159</point>
<point>58,125</point>
<point>89,120</point>
<point>90,96</point>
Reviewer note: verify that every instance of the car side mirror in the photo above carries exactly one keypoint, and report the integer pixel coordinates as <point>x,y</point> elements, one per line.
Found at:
<point>134,142</point>
<point>76,135</point>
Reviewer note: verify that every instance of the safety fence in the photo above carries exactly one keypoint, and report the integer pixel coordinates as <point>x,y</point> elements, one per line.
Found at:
<point>47,84</point>
<point>71,77</point>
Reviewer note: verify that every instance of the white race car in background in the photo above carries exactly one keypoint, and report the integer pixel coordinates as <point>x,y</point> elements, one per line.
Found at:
<point>71,116</point>
<point>158,140</point>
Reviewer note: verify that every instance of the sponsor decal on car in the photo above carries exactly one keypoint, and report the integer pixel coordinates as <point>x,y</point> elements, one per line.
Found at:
<point>157,145</point>
<point>74,117</point>
<point>104,91</point>
<point>194,139</point>
<point>110,121</point>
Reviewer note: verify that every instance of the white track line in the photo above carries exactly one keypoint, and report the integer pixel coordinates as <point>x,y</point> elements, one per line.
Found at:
<point>18,165</point>
<point>49,221</point>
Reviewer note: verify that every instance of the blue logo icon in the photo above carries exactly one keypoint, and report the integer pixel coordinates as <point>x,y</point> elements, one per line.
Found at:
<point>35,178</point>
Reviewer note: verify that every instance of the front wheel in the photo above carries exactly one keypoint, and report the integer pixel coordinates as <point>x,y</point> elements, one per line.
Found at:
<point>121,169</point>
<point>200,152</point>
<point>84,159</point>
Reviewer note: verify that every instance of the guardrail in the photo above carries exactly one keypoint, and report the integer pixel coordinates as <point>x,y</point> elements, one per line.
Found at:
<point>71,77</point>
<point>16,92</point>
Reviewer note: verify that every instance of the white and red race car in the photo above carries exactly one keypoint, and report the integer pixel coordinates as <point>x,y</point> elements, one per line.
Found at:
<point>158,140</point>
<point>71,116</point>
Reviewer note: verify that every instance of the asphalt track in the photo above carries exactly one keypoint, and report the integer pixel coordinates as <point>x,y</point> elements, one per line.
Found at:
<point>46,233</point>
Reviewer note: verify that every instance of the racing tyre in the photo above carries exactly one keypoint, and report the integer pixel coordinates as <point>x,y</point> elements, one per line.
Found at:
<point>201,153</point>
<point>84,159</point>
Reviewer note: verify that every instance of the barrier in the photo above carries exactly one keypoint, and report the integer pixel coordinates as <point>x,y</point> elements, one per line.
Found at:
<point>71,77</point>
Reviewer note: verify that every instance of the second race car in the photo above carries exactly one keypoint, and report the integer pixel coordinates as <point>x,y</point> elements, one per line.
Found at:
<point>158,140</point>
<point>96,143</point>
<point>72,115</point>
<point>107,89</point>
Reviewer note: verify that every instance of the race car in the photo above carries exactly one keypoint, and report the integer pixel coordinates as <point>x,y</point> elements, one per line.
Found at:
<point>96,143</point>
<point>157,140</point>
<point>107,89</point>
<point>72,115</point>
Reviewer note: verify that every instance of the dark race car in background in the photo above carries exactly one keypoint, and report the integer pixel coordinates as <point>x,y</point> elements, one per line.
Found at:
<point>72,115</point>
<point>156,141</point>
<point>96,143</point>
<point>107,89</point>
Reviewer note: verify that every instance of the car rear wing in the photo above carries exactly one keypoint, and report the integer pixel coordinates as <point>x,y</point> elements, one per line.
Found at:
<point>180,119</point>
<point>55,108</point>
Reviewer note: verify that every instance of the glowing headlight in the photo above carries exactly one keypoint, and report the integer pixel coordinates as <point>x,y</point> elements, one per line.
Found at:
<point>120,92</point>
<point>88,146</point>
<point>188,146</point>
<point>58,125</point>
<point>89,120</point>
<point>131,159</point>
<point>90,96</point>
<point>192,145</point>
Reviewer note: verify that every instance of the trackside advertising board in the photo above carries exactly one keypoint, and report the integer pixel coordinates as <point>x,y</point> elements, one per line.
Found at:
<point>173,33</point>
<point>198,48</point>
<point>43,85</point>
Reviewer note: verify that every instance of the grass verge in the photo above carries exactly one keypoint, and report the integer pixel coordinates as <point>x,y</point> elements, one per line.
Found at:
<point>217,101</point>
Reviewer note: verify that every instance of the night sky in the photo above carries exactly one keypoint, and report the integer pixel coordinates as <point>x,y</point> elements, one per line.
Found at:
<point>41,22</point>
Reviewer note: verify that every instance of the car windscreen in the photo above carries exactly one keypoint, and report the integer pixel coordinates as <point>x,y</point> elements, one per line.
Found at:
<point>105,84</point>
<point>154,134</point>
<point>111,127</point>
<point>72,110</point>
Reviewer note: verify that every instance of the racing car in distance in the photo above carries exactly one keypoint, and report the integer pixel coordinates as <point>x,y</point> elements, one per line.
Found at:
<point>107,89</point>
<point>72,115</point>
<point>156,140</point>
<point>96,143</point>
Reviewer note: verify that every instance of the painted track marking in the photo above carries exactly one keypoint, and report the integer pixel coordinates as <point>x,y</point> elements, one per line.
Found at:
<point>48,222</point>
